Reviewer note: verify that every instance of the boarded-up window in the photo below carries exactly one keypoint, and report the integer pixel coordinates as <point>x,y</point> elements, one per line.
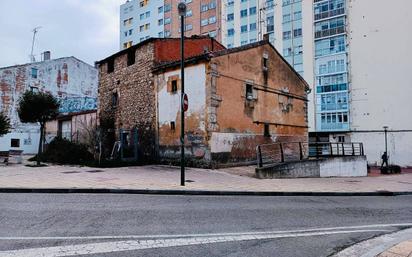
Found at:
<point>131,57</point>
<point>110,65</point>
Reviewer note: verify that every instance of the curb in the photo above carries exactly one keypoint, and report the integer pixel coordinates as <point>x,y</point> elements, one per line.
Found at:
<point>375,246</point>
<point>194,192</point>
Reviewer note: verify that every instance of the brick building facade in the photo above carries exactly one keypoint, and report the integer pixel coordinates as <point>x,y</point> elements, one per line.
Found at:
<point>202,18</point>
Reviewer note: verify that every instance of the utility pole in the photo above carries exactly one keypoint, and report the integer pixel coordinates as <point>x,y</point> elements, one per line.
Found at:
<point>35,30</point>
<point>182,13</point>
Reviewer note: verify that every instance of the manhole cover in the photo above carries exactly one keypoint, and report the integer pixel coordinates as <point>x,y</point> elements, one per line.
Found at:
<point>94,171</point>
<point>70,172</point>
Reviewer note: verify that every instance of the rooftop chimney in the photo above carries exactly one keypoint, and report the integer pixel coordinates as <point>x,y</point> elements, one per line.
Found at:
<point>46,55</point>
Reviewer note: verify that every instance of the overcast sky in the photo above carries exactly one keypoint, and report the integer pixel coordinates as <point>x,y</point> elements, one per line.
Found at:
<point>86,29</point>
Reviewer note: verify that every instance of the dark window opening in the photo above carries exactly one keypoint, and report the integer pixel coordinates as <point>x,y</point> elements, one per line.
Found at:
<point>341,139</point>
<point>172,125</point>
<point>15,142</point>
<point>265,62</point>
<point>131,57</point>
<point>115,100</point>
<point>249,91</point>
<point>34,73</point>
<point>174,85</point>
<point>110,66</point>
<point>266,131</point>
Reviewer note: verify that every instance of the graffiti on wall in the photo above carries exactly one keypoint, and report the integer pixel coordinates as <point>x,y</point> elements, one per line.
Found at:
<point>77,104</point>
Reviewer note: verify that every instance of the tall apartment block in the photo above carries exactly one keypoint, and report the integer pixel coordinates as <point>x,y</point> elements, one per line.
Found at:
<point>141,19</point>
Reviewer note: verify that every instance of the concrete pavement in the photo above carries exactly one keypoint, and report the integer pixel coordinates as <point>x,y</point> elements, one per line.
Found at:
<point>158,177</point>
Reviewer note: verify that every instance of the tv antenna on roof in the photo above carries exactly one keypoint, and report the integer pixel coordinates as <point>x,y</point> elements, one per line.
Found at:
<point>35,30</point>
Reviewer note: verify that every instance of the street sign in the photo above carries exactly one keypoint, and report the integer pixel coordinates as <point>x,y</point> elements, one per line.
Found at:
<point>185,103</point>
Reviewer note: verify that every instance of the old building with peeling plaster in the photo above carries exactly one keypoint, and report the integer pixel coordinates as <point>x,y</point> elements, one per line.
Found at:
<point>71,80</point>
<point>238,98</point>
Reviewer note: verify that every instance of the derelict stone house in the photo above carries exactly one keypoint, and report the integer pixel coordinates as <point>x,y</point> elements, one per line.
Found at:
<point>238,98</point>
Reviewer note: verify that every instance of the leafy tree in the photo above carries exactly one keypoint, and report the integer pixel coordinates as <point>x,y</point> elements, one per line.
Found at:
<point>4,124</point>
<point>38,107</point>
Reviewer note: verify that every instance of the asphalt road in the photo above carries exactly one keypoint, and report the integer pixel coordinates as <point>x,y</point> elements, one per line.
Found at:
<point>153,225</point>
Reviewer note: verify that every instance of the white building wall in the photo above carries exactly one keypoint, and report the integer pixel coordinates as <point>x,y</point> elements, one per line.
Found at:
<point>72,81</point>
<point>169,103</point>
<point>380,64</point>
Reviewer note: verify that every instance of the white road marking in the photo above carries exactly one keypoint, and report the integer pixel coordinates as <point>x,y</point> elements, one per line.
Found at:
<point>207,235</point>
<point>132,245</point>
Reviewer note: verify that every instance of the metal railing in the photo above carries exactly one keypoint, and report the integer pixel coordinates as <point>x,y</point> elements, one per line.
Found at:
<point>268,154</point>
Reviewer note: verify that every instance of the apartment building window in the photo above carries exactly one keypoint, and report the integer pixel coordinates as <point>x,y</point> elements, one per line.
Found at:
<point>230,32</point>
<point>141,16</point>
<point>189,13</point>
<point>212,20</point>
<point>330,46</point>
<point>243,13</point>
<point>167,8</point>
<point>230,2</point>
<point>298,50</point>
<point>204,7</point>
<point>243,29</point>
<point>188,27</point>
<point>297,33</point>
<point>160,9</point>
<point>147,26</point>
<point>297,15</point>
<point>287,35</point>
<point>286,18</point>
<point>141,28</point>
<point>270,24</point>
<point>230,17</point>
<point>167,20</point>
<point>141,39</point>
<point>167,33</point>
<point>204,22</point>
<point>128,22</point>
<point>244,42</point>
<point>243,1</point>
<point>252,26</point>
<point>130,32</point>
<point>160,22</point>
<point>252,10</point>
<point>131,57</point>
<point>213,34</point>
<point>34,72</point>
<point>160,34</point>
<point>212,5</point>
<point>287,51</point>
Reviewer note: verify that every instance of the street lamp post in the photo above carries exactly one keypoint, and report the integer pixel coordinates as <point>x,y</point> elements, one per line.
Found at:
<point>182,13</point>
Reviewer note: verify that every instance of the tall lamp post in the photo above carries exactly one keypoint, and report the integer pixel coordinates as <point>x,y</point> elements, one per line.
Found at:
<point>182,13</point>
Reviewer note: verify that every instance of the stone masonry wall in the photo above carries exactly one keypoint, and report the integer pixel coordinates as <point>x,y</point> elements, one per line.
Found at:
<point>134,88</point>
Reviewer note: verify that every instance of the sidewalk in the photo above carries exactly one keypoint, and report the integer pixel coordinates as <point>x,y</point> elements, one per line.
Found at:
<point>403,249</point>
<point>158,177</point>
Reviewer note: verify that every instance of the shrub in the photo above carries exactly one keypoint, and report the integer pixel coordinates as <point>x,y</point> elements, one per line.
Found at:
<point>63,151</point>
